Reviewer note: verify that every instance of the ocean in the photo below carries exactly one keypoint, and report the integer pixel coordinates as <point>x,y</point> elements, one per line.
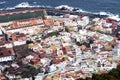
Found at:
<point>111,7</point>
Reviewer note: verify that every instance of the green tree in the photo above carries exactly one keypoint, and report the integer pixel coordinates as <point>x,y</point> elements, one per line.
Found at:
<point>27,71</point>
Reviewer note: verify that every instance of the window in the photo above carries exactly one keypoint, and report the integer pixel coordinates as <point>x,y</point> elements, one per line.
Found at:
<point>1,53</point>
<point>9,51</point>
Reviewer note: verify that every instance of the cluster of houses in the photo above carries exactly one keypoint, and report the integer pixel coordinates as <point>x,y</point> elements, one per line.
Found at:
<point>65,47</point>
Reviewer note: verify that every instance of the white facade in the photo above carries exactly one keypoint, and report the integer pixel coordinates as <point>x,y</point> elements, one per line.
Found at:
<point>17,43</point>
<point>7,58</point>
<point>9,45</point>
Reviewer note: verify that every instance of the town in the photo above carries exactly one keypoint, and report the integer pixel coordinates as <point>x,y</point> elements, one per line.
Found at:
<point>49,47</point>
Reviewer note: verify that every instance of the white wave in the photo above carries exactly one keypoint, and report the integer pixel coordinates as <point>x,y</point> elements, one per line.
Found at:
<point>10,8</point>
<point>23,5</point>
<point>114,16</point>
<point>103,13</point>
<point>110,15</point>
<point>70,8</point>
<point>1,8</point>
<point>26,4</point>
<point>3,2</point>
<point>65,6</point>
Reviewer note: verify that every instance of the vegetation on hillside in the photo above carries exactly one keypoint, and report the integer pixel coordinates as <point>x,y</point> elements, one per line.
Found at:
<point>50,34</point>
<point>20,16</point>
<point>114,74</point>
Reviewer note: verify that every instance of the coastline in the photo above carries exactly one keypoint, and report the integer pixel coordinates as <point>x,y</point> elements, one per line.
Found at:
<point>53,11</point>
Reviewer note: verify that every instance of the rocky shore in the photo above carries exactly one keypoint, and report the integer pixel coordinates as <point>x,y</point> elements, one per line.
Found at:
<point>58,12</point>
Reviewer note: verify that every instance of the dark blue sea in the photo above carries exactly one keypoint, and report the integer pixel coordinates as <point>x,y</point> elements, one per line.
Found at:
<point>93,6</point>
